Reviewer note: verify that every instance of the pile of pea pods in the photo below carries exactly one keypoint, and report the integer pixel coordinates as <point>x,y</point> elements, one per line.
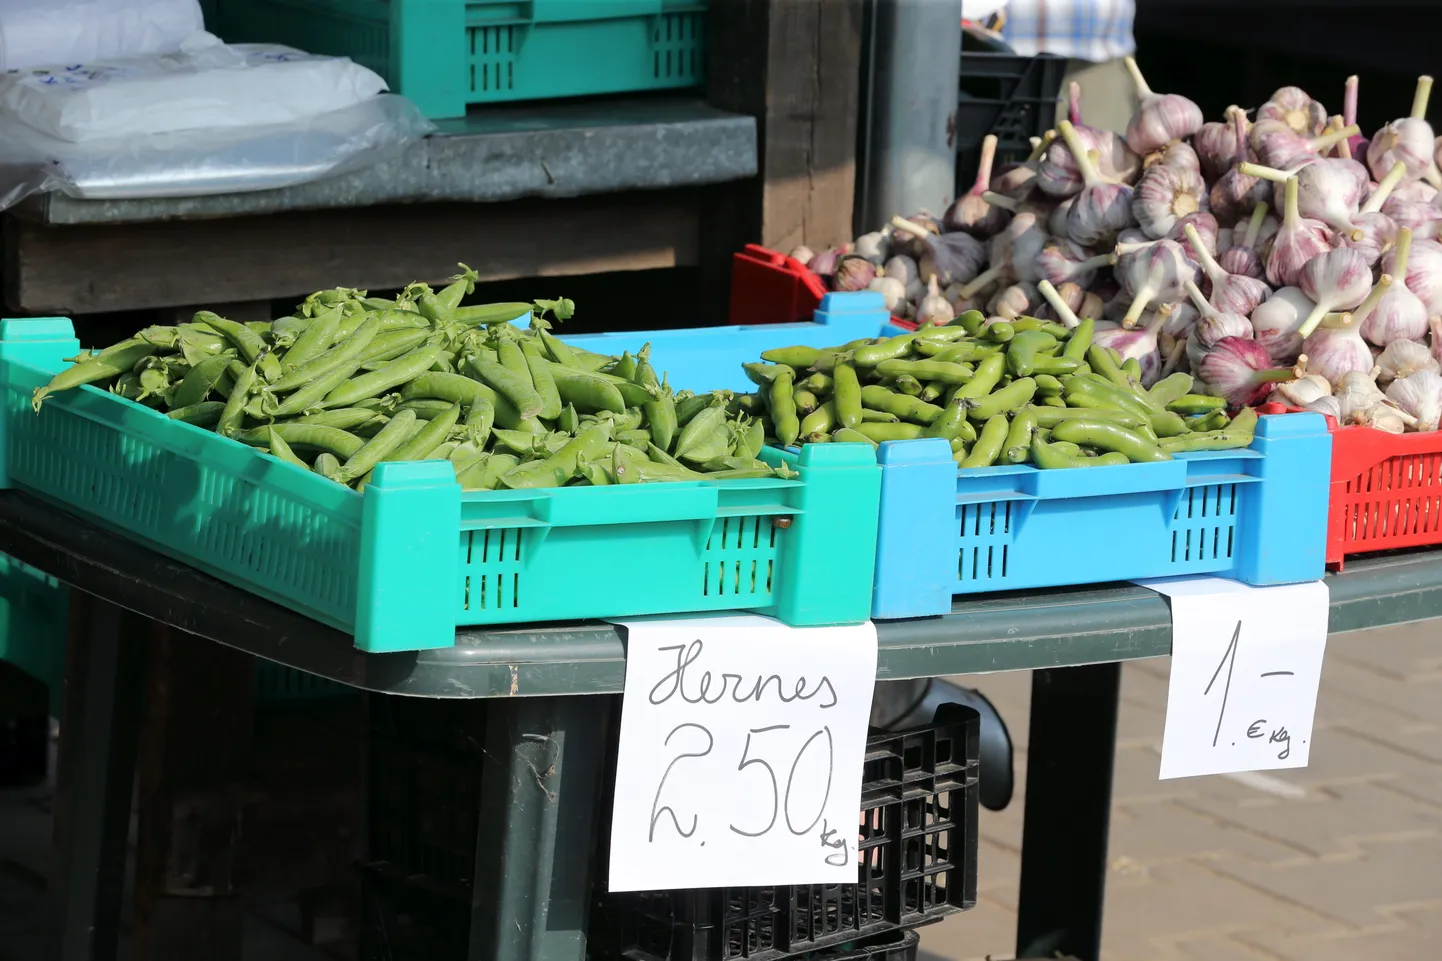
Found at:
<point>351,381</point>
<point>1028,391</point>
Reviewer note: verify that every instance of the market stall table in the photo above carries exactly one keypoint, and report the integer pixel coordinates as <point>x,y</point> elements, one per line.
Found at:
<point>533,874</point>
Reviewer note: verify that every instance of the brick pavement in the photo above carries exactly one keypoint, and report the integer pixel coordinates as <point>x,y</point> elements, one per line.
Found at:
<point>1341,861</point>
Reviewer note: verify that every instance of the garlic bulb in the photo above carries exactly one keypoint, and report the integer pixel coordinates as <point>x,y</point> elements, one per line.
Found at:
<point>803,255</point>
<point>824,263</point>
<point>1241,372</point>
<point>1408,141</point>
<point>1399,315</point>
<point>1103,207</point>
<point>1211,327</point>
<point>902,268</point>
<point>853,272</point>
<point>1231,293</point>
<point>1305,389</point>
<point>1336,348</point>
<point>971,213</point>
<point>1275,323</point>
<point>1423,272</point>
<point>1216,144</point>
<point>1293,107</point>
<point>1336,280</point>
<point>1205,226</point>
<point>1116,159</point>
<point>874,247</point>
<point>1155,275</point>
<point>1298,240</point>
<point>1402,358</point>
<point>1328,406</point>
<point>1329,190</point>
<point>1278,145</point>
<point>1165,193</point>
<point>1013,253</point>
<point>1242,257</point>
<point>1011,302</point>
<point>934,309</point>
<point>1059,303</point>
<point>1418,216</point>
<point>1061,261</point>
<point>1420,395</point>
<point>1385,417</point>
<point>892,291</point>
<point>1139,343</point>
<point>1160,118</point>
<point>949,257</point>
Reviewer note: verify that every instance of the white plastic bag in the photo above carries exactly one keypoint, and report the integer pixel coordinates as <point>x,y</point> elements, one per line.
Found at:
<point>206,84</point>
<point>35,33</point>
<point>199,162</point>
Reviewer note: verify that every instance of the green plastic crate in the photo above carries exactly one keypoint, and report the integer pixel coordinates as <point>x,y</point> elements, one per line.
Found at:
<point>447,54</point>
<point>407,562</point>
<point>33,612</point>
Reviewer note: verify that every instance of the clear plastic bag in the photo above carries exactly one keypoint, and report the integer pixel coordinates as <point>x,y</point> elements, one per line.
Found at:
<point>194,163</point>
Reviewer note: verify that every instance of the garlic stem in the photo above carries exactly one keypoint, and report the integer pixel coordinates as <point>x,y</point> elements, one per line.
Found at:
<point>1420,98</point>
<point>1404,250</point>
<point>1084,164</point>
<point>1322,144</point>
<point>988,156</point>
<point>1266,173</point>
<point>1204,256</point>
<point>1433,176</point>
<point>1139,305</point>
<point>1041,147</point>
<point>1195,292</point>
<point>1097,262</point>
<point>1001,200</point>
<point>1063,312</point>
<point>981,280</point>
<point>1254,226</point>
<point>1074,103</point>
<point>1349,101</point>
<point>1374,297</point>
<point>909,226</point>
<point>1290,216</point>
<point>1384,188</point>
<point>1179,350</point>
<point>1143,91</point>
<point>1344,146</point>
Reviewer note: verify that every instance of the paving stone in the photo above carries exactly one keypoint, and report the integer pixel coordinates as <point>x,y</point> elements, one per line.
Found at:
<point>1403,652</point>
<point>1162,831</point>
<point>1214,949</point>
<point>1396,945</point>
<point>1419,699</point>
<point>1357,891</point>
<point>987,930</point>
<point>998,865</point>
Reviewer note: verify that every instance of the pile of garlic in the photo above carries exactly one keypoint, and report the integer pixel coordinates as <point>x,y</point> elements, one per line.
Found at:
<point>1251,252</point>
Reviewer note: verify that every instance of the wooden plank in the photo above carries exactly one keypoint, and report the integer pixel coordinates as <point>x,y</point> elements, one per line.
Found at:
<point>794,65</point>
<point>92,269</point>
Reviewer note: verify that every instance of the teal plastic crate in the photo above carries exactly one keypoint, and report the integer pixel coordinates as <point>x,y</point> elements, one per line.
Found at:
<point>33,611</point>
<point>447,54</point>
<point>413,558</point>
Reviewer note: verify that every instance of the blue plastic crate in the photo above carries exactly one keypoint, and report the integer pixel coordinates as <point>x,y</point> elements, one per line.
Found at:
<point>1256,515</point>
<point>33,612</point>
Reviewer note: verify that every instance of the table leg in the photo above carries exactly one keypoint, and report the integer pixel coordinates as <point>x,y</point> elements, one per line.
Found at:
<point>195,782</point>
<point>538,811</point>
<point>1068,811</point>
<point>101,705</point>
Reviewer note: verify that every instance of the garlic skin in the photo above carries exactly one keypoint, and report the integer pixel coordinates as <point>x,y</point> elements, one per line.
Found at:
<point>1178,155</point>
<point>1160,118</point>
<point>1275,323</point>
<point>1298,240</point>
<point>1295,108</point>
<point>1371,236</point>
<point>1165,193</point>
<point>893,292</point>
<point>1403,358</point>
<point>1399,314</point>
<point>1116,159</point>
<point>1329,189</point>
<point>1420,395</point>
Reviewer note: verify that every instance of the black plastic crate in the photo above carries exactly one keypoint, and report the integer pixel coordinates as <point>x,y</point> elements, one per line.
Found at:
<point>896,946</point>
<point>918,864</point>
<point>1012,96</point>
<point>426,761</point>
<point>403,920</point>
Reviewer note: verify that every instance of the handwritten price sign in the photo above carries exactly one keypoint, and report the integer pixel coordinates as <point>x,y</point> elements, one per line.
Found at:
<point>1246,665</point>
<point>740,753</point>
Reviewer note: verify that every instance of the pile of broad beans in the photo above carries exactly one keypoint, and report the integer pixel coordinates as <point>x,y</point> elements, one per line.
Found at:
<point>1023,392</point>
<point>351,381</point>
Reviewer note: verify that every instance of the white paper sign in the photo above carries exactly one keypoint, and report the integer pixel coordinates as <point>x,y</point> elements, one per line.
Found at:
<point>740,754</point>
<point>1246,665</point>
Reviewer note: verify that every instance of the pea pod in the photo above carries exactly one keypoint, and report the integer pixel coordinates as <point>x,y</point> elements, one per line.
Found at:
<point>889,349</point>
<point>882,432</point>
<point>806,401</point>
<point>563,465</point>
<point>233,415</point>
<point>392,435</point>
<point>988,443</point>
<point>1133,369</point>
<point>953,418</point>
<point>1112,437</point>
<point>313,341</point>
<point>1167,424</point>
<point>782,403</point>
<point>280,450</point>
<point>878,416</point>
<point>1022,351</point>
<point>927,370</point>
<point>1057,331</point>
<point>988,374</point>
<point>585,390</point>
<point>1007,399</point>
<point>340,443</point>
<point>849,435</point>
<point>203,414</point>
<point>705,437</point>
<point>1060,456</point>
<point>353,419</point>
<point>1195,404</point>
<point>846,395</point>
<point>800,357</point>
<point>1017,449</point>
<point>1104,395</point>
<point>822,420</point>
<point>999,332</point>
<point>199,381</point>
<point>1080,341</point>
<point>542,380</point>
<point>342,354</point>
<point>1170,388</point>
<point>907,408</point>
<point>101,367</point>
<point>513,386</point>
<point>661,415</point>
<point>326,464</point>
<point>251,345</point>
<point>752,439</point>
<point>478,315</point>
<point>400,371</point>
<point>423,442</point>
<point>1104,363</point>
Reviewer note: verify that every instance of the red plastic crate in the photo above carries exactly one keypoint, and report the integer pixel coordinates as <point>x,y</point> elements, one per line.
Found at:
<point>771,288</point>
<point>1386,490</point>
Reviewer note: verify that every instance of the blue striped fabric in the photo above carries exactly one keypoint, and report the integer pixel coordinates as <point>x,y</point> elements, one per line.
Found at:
<point>1092,30</point>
